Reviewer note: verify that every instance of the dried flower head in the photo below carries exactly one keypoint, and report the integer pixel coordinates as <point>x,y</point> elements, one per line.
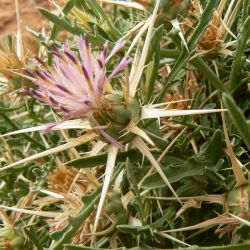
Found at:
<point>212,37</point>
<point>10,60</point>
<point>60,180</point>
<point>75,88</point>
<point>71,206</point>
<point>174,98</point>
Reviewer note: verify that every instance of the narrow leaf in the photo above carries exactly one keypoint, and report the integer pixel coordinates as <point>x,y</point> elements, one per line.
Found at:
<point>7,110</point>
<point>101,159</point>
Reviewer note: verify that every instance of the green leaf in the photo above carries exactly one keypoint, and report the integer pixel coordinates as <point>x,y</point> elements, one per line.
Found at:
<point>166,217</point>
<point>7,110</point>
<point>73,29</point>
<point>214,149</point>
<point>88,162</point>
<point>16,127</point>
<point>75,222</point>
<point>156,38</point>
<point>245,10</point>
<point>61,22</point>
<point>97,8</point>
<point>213,79</point>
<point>152,73</point>
<point>55,29</point>
<point>191,167</point>
<point>134,187</point>
<point>68,6</point>
<point>200,65</point>
<point>135,230</point>
<point>239,121</point>
<point>33,237</point>
<point>241,45</point>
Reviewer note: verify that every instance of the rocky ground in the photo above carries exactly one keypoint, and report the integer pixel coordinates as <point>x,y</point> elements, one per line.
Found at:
<point>29,15</point>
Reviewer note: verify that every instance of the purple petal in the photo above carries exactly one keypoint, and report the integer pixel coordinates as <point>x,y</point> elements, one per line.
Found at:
<point>124,62</point>
<point>71,55</point>
<point>40,60</point>
<point>105,49</point>
<point>74,87</point>
<point>116,48</point>
<point>29,73</point>
<point>110,138</point>
<point>86,40</point>
<point>54,47</point>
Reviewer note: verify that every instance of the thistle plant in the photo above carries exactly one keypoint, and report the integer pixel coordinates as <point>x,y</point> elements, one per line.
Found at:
<point>133,132</point>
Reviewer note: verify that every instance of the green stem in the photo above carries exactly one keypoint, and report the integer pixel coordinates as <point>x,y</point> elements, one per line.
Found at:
<point>237,64</point>
<point>201,65</point>
<point>245,10</point>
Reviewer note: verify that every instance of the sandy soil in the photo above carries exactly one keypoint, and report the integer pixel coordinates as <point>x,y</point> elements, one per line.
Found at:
<point>29,15</point>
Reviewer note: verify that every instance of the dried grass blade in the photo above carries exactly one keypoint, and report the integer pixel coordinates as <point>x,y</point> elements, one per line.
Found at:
<point>138,131</point>
<point>240,219</point>
<point>73,143</point>
<point>71,124</point>
<point>139,143</point>
<point>236,164</point>
<point>32,212</point>
<point>112,153</point>
<point>222,219</point>
<point>149,113</point>
<point>167,236</point>
<point>6,220</point>
<point>139,34</point>
<point>125,4</point>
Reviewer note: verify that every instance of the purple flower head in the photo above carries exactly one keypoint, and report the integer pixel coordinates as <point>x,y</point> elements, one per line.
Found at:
<point>73,87</point>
